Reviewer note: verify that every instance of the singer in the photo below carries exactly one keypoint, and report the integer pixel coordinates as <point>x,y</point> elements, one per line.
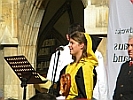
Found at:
<point>81,69</point>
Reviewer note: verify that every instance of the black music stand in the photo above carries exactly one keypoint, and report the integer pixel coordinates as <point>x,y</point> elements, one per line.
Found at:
<point>24,71</point>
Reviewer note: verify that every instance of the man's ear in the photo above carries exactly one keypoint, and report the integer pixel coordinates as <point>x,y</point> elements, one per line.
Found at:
<point>67,37</point>
<point>82,45</point>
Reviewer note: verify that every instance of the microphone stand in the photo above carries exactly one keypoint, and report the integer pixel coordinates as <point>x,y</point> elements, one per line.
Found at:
<point>52,86</point>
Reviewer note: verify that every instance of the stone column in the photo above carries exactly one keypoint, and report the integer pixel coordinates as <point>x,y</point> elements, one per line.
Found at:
<point>12,88</point>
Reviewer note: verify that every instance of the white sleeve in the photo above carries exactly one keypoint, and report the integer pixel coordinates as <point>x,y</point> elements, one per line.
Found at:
<point>101,90</point>
<point>50,69</point>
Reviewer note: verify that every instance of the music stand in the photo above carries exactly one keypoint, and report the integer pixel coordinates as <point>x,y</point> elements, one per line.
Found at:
<point>24,71</point>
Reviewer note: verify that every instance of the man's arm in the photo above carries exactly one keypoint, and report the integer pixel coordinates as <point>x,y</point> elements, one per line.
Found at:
<point>51,67</point>
<point>101,89</point>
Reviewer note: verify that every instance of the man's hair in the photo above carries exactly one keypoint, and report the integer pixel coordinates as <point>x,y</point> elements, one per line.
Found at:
<point>43,96</point>
<point>130,36</point>
<point>75,27</point>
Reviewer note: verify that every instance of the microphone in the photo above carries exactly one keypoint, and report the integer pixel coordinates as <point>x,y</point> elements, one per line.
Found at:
<point>60,48</point>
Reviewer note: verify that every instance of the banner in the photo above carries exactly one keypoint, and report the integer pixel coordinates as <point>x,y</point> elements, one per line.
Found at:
<point>120,25</point>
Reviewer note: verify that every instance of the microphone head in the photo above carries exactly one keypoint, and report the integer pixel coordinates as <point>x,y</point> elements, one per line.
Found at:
<point>60,48</point>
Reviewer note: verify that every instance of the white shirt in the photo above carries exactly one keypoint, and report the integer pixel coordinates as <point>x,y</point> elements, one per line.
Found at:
<point>64,58</point>
<point>101,90</point>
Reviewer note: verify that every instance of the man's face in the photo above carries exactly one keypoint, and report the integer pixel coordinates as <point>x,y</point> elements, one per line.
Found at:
<point>75,47</point>
<point>130,48</point>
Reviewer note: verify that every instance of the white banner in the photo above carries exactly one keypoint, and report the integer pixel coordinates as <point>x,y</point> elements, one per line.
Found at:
<point>119,26</point>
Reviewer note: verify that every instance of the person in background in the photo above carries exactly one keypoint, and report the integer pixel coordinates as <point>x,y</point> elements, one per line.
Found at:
<point>43,96</point>
<point>124,83</point>
<point>81,69</point>
<point>100,91</point>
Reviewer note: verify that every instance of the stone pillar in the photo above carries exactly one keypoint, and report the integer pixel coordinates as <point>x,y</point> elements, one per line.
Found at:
<point>89,17</point>
<point>11,84</point>
<point>12,88</point>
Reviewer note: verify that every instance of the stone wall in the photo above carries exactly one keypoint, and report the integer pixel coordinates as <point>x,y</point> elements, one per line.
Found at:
<point>20,21</point>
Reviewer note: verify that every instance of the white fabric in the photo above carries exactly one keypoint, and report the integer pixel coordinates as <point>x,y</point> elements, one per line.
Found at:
<point>119,26</point>
<point>64,59</point>
<point>101,89</point>
<point>61,98</point>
